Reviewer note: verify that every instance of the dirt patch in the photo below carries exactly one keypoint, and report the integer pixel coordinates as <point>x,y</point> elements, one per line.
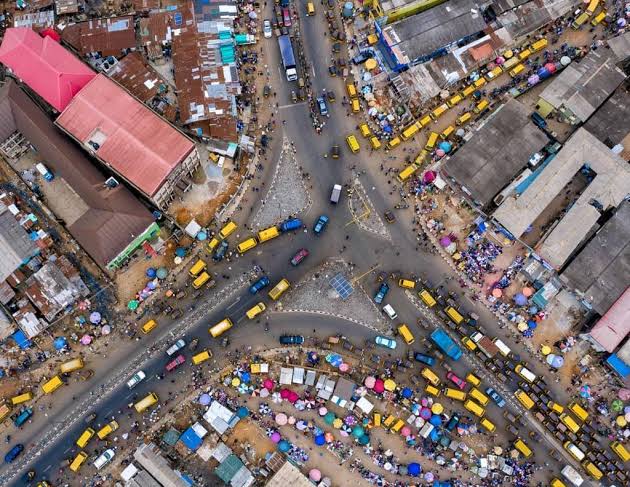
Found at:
<point>247,432</point>
<point>132,279</point>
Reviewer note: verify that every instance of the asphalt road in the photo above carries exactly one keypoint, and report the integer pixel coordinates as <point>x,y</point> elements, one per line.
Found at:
<point>365,250</point>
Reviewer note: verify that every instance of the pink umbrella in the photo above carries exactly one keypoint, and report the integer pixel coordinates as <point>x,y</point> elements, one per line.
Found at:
<point>291,419</point>
<point>315,475</point>
<point>499,60</point>
<point>425,413</point>
<point>281,419</point>
<point>323,411</point>
<point>624,394</point>
<point>329,437</point>
<point>379,386</point>
<point>405,431</point>
<point>497,293</point>
<point>285,393</point>
<point>369,382</point>
<point>293,396</point>
<point>429,176</point>
<point>86,339</point>
<point>268,384</point>
<point>527,291</point>
<point>424,401</point>
<point>344,367</point>
<point>275,437</point>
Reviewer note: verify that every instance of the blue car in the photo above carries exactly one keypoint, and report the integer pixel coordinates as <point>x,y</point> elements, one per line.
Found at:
<point>291,224</point>
<point>221,251</point>
<point>382,292</point>
<point>291,339</point>
<point>13,453</point>
<point>496,397</point>
<point>320,224</point>
<point>261,283</point>
<point>450,426</point>
<point>425,359</point>
<point>321,103</point>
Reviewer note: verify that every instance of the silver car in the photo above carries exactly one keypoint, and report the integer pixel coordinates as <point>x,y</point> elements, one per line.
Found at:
<point>267,29</point>
<point>175,347</point>
<point>136,379</point>
<point>104,458</point>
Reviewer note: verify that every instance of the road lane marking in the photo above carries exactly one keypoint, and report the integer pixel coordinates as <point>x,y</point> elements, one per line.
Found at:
<point>293,105</point>
<point>234,303</point>
<point>67,449</point>
<point>48,467</point>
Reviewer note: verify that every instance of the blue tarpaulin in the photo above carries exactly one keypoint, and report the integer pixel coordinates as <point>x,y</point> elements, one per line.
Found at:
<point>190,439</point>
<point>20,340</point>
<point>618,365</point>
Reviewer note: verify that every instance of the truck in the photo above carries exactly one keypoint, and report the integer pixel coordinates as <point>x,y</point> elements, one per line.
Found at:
<point>486,345</point>
<point>446,344</point>
<point>569,473</point>
<point>24,415</point>
<point>288,58</point>
<point>335,194</point>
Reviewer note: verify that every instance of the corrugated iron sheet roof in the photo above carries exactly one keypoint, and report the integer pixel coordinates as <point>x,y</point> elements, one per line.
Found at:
<point>133,140</point>
<point>107,36</point>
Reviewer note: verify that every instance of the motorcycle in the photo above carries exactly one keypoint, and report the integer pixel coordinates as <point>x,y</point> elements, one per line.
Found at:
<point>266,326</point>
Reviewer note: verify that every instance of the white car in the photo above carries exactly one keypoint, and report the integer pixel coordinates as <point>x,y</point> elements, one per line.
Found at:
<point>104,458</point>
<point>385,342</point>
<point>267,29</point>
<point>136,379</point>
<point>389,311</point>
<point>176,347</point>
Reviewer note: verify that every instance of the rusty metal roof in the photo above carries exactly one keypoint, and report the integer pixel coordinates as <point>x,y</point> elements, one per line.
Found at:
<point>106,36</point>
<point>140,79</point>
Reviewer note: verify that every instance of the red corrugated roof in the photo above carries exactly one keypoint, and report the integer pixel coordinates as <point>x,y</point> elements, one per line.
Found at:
<point>50,70</point>
<point>614,326</point>
<point>133,140</point>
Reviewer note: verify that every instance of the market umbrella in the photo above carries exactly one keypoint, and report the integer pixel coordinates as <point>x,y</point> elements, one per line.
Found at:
<point>242,412</point>
<point>275,437</point>
<point>617,405</point>
<point>151,272</point>
<point>106,329</point>
<point>322,411</point>
<point>520,299</point>
<point>284,446</point>
<point>329,437</point>
<point>429,177</point>
<point>95,317</point>
<point>264,392</point>
<point>291,420</point>
<point>497,293</point>
<point>369,382</point>
<point>329,417</point>
<point>522,326</point>
<point>545,350</point>
<point>414,469</point>
<point>284,393</point>
<point>337,423</point>
<point>445,241</point>
<point>425,413</point>
<point>162,273</point>
<point>180,251</point>
<point>358,431</point>
<point>437,408</point>
<point>301,425</point>
<point>624,394</point>
<point>364,440</point>
<point>344,367</point>
<point>133,304</point>
<point>379,386</point>
<point>86,339</point>
<point>319,440</point>
<point>245,377</point>
<point>268,384</point>
<point>281,419</point>
<point>429,477</point>
<point>293,397</point>
<point>405,431</point>
<point>315,475</point>
<point>435,420</point>
<point>350,420</point>
<point>585,391</point>
<point>556,361</point>
<point>407,393</point>
<point>621,421</point>
<point>527,291</point>
<point>531,324</point>
<point>60,343</point>
<point>236,381</point>
<point>402,470</point>
<point>389,385</point>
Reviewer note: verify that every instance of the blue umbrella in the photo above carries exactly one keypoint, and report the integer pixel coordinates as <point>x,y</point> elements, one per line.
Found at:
<point>364,440</point>
<point>180,251</point>
<point>320,440</point>
<point>151,272</point>
<point>284,446</point>
<point>531,324</point>
<point>414,469</point>
<point>202,236</point>
<point>520,299</point>
<point>245,377</point>
<point>60,343</point>
<point>446,146</point>
<point>242,412</point>
<point>162,273</point>
<point>407,393</point>
<point>435,420</point>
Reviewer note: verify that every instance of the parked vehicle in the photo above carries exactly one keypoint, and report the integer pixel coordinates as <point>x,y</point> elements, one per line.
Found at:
<point>173,364</point>
<point>267,29</point>
<point>299,257</point>
<point>496,397</point>
<point>104,458</point>
<point>320,224</point>
<point>291,224</point>
<point>261,283</point>
<point>291,340</point>
<point>385,342</point>
<point>221,251</point>
<point>175,347</point>
<point>13,453</point>
<point>445,343</point>
<point>136,379</point>
<point>456,380</point>
<point>425,359</point>
<point>382,292</point>
<point>321,105</point>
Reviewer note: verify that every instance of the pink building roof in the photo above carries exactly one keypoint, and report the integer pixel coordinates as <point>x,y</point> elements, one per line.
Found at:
<point>51,71</point>
<point>614,326</point>
<point>132,139</point>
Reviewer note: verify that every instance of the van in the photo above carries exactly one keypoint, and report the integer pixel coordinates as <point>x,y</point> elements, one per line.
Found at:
<point>389,420</point>
<point>598,18</point>
<point>475,408</point>
<point>503,348</point>
<point>479,83</point>
<point>620,450</point>
<point>397,426</point>
<point>554,406</point>
<point>405,333</point>
<point>71,366</point>
<point>517,70</point>
<point>488,425</point>
<point>410,131</point>
<point>525,373</point>
<point>481,106</point>
<point>424,121</point>
<point>351,89</point>
<point>335,194</point>
<point>510,63</point>
<point>431,141</point>
<point>439,111</point>
<point>426,298</point>
<point>310,8</point>
<point>557,483</point>
<point>421,157</point>
<point>268,234</point>
<point>27,396</point>
<point>201,280</point>
<point>446,133</point>
<point>523,448</point>
<point>278,289</point>
<point>538,45</point>
<point>469,90</point>
<point>434,391</point>
<point>454,101</point>
<point>429,375</point>
<point>524,54</point>
<point>494,73</point>
<point>353,144</point>
<point>469,344</point>
<point>454,315</point>
<point>524,399</point>
<point>464,118</point>
<point>375,143</point>
<point>579,411</point>
<point>52,385</point>
<point>213,244</point>
<point>473,379</point>
<point>78,461</point>
<point>356,106</point>
<point>365,130</point>
<point>85,437</point>
<point>228,230</point>
<point>201,357</point>
<point>199,266</point>
<point>256,310</point>
<point>148,326</point>
<point>390,311</point>
<point>107,429</point>
<point>406,174</point>
<point>406,283</point>
<point>246,245</point>
<point>376,420</point>
<point>221,327</point>
<point>150,400</point>
<point>455,394</point>
<point>393,143</point>
<point>569,422</point>
<point>592,470</point>
<point>574,451</point>
<point>479,396</point>
<point>5,410</point>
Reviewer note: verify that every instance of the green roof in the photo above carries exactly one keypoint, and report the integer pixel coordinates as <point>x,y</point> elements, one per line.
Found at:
<point>227,470</point>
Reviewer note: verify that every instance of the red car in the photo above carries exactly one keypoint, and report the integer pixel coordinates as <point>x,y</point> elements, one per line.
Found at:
<point>299,257</point>
<point>172,365</point>
<point>286,17</point>
<point>456,380</point>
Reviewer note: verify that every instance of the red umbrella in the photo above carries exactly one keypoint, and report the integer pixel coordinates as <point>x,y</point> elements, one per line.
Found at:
<point>429,176</point>
<point>285,393</point>
<point>268,384</point>
<point>293,396</point>
<point>379,386</point>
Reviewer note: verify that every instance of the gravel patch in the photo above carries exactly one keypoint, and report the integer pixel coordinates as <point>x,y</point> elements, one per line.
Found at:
<point>357,203</point>
<point>314,294</point>
<point>287,194</point>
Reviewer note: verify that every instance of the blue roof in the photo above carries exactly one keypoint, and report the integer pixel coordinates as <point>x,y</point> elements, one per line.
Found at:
<point>20,339</point>
<point>618,365</point>
<point>190,439</point>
